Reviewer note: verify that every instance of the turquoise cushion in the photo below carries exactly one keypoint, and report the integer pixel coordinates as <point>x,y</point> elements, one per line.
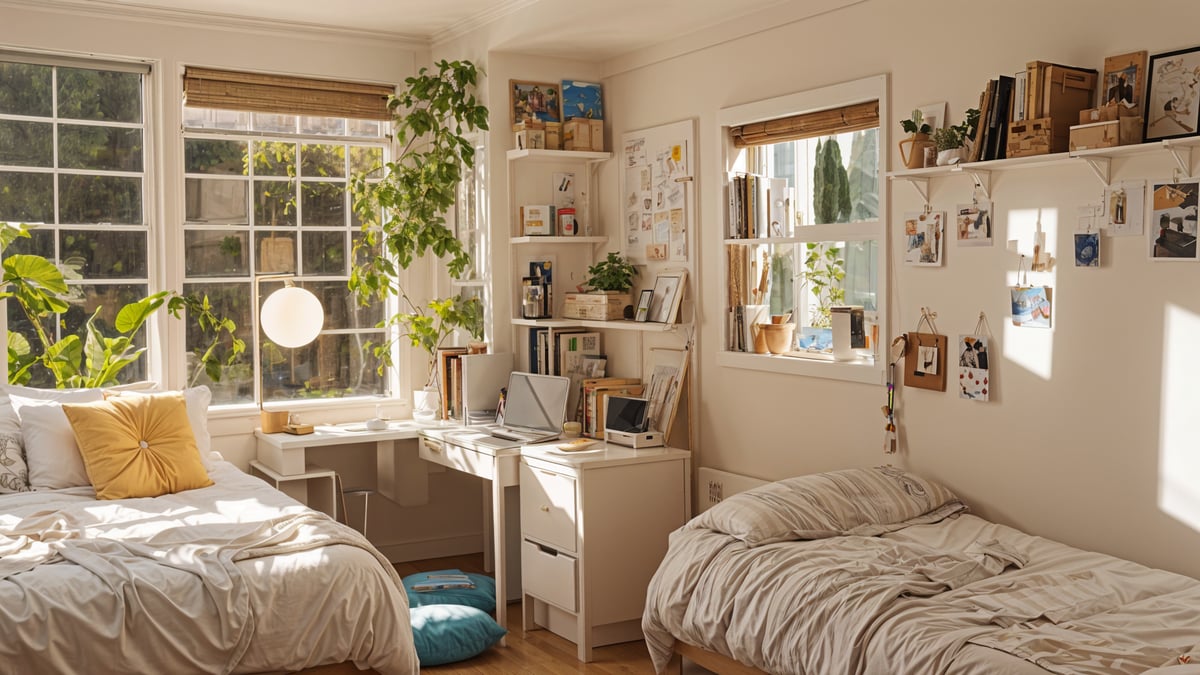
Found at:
<point>449,633</point>
<point>483,596</point>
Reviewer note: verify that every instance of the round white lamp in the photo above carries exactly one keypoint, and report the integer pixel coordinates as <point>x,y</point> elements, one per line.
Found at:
<point>292,317</point>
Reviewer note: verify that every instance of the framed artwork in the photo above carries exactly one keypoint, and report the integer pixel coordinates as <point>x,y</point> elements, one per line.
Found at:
<point>1087,249</point>
<point>667,296</point>
<point>581,99</point>
<point>1172,105</point>
<point>534,101</point>
<point>1031,306</point>
<point>924,234</point>
<point>1124,79</point>
<point>643,306</point>
<point>1172,231</point>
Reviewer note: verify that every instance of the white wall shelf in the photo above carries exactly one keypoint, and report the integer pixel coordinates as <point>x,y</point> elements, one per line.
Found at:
<point>615,324</point>
<point>558,155</point>
<point>545,239</point>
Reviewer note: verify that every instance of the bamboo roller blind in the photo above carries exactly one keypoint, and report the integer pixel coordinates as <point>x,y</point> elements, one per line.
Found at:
<point>257,92</point>
<point>854,117</point>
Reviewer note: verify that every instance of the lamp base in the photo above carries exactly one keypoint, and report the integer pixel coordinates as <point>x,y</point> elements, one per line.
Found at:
<point>273,422</point>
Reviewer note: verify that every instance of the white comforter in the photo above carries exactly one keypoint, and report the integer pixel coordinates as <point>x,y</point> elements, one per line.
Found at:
<point>960,596</point>
<point>232,578</point>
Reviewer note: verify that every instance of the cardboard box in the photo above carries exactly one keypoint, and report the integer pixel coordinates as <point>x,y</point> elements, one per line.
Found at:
<point>596,306</point>
<point>1066,91</point>
<point>536,220</point>
<point>1123,131</point>
<point>1029,137</point>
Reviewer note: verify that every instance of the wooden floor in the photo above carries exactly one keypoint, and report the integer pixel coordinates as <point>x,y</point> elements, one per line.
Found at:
<point>540,652</point>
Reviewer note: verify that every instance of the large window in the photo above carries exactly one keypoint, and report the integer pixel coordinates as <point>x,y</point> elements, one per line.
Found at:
<point>73,162</point>
<point>266,194</point>
<point>806,227</point>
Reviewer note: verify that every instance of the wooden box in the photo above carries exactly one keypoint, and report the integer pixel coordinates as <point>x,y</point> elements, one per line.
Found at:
<point>530,139</point>
<point>553,136</point>
<point>1066,91</point>
<point>1123,131</point>
<point>597,306</point>
<point>536,219</point>
<point>1029,137</point>
<point>583,134</point>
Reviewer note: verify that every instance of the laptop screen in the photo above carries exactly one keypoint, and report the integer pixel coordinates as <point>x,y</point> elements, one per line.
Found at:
<point>536,401</point>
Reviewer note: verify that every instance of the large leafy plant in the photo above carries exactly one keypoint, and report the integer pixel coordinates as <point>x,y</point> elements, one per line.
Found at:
<point>403,213</point>
<point>40,289</point>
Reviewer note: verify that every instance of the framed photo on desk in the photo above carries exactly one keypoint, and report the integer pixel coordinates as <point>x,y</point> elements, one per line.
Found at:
<point>667,296</point>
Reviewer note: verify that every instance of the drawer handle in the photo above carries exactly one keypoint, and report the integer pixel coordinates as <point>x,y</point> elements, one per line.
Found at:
<point>433,445</point>
<point>544,508</point>
<point>548,473</point>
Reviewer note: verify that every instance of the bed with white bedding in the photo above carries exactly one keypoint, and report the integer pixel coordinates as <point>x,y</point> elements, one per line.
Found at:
<point>235,577</point>
<point>879,572</point>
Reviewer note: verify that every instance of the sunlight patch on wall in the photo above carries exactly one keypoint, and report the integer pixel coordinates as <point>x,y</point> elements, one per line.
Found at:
<point>1029,347</point>
<point>1178,459</point>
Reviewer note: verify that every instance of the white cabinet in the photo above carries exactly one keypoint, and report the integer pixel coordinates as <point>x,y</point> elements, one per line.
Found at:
<point>594,528</point>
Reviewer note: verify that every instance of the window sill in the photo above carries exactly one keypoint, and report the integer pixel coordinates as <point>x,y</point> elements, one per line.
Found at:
<point>866,371</point>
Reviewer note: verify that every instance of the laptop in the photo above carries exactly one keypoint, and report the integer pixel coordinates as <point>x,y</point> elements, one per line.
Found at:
<point>534,409</point>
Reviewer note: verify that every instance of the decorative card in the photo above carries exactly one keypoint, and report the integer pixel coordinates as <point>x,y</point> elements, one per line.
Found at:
<point>924,233</point>
<point>974,382</point>
<point>1172,231</point>
<point>974,223</point>
<point>1031,306</point>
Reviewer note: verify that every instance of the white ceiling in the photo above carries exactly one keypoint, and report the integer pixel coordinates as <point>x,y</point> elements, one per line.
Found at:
<point>591,29</point>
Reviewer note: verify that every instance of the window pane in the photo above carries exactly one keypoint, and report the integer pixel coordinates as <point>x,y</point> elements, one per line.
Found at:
<point>270,122</point>
<point>27,197</point>
<point>365,128</point>
<point>324,204</point>
<point>341,308</point>
<point>215,157</point>
<point>366,159</point>
<point>324,161</point>
<point>105,254</point>
<point>26,89</point>
<point>834,179</point>
<point>100,148</point>
<point>231,300</point>
<point>26,143</point>
<point>215,201</point>
<point>99,95</point>
<point>108,299</point>
<point>216,253</point>
<point>100,199</point>
<point>327,126</point>
<point>274,203</point>
<point>273,158</point>
<point>211,118</point>
<point>40,242</point>
<point>276,252</point>
<point>324,253</point>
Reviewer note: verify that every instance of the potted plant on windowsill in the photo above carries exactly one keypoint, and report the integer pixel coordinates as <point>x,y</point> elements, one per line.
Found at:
<point>952,141</point>
<point>609,282</point>
<point>404,211</point>
<point>914,157</point>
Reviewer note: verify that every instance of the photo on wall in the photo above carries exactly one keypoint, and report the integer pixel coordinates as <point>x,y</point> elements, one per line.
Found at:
<point>974,380</point>
<point>1172,231</point>
<point>1031,306</point>
<point>974,223</point>
<point>1087,249</point>
<point>924,234</point>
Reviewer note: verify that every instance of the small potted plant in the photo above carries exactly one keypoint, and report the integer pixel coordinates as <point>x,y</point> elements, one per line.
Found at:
<point>914,158</point>
<point>952,141</point>
<point>608,283</point>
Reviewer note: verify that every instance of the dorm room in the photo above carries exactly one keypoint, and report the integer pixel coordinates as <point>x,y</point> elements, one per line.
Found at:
<point>1071,271</point>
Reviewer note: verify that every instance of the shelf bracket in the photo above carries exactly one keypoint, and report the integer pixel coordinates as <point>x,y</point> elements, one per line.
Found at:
<point>1183,157</point>
<point>920,184</point>
<point>982,180</point>
<point>1102,167</point>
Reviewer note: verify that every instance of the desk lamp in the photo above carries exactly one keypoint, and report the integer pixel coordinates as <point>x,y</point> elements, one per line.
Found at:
<point>291,317</point>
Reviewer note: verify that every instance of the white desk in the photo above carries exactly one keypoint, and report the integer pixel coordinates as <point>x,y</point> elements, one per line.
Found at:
<point>452,447</point>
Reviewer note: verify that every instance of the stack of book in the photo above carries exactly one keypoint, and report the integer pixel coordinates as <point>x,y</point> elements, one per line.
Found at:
<point>592,400</point>
<point>995,115</point>
<point>442,581</point>
<point>750,199</point>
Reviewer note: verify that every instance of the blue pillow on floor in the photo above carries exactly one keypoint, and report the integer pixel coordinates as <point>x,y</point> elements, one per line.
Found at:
<point>483,596</point>
<point>449,633</point>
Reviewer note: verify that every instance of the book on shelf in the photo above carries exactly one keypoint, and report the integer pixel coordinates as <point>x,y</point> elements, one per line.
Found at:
<point>572,348</point>
<point>450,379</point>
<point>537,339</point>
<point>749,206</point>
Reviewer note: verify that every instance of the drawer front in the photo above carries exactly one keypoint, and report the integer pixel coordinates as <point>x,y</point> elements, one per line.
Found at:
<point>548,507</point>
<point>457,457</point>
<point>548,575</point>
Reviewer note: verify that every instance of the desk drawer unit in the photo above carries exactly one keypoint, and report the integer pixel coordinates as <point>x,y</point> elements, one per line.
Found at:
<point>548,508</point>
<point>457,457</point>
<point>549,575</point>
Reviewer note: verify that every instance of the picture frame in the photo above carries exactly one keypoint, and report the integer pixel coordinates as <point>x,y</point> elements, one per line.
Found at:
<point>582,100</point>
<point>643,307</point>
<point>667,296</point>
<point>924,236</point>
<point>1172,95</point>
<point>1172,230</point>
<point>1124,79</point>
<point>534,101</point>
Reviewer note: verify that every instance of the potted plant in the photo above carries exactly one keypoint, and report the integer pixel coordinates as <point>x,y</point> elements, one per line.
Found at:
<point>952,141</point>
<point>914,158</point>
<point>609,282</point>
<point>403,213</point>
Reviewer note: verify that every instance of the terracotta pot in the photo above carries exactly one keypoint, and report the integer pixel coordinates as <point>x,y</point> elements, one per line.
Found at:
<point>778,336</point>
<point>912,150</point>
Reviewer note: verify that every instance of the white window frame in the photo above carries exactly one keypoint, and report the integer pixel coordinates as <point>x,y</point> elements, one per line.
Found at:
<point>834,96</point>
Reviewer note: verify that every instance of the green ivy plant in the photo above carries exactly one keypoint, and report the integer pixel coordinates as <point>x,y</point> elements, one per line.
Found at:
<point>824,270</point>
<point>614,273</point>
<point>403,213</point>
<point>40,289</point>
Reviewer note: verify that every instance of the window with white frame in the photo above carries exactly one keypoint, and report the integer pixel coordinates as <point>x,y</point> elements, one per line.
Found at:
<point>73,163</point>
<point>806,226</point>
<point>265,186</point>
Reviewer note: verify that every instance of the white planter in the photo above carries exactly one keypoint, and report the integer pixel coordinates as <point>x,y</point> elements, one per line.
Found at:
<point>426,406</point>
<point>952,156</point>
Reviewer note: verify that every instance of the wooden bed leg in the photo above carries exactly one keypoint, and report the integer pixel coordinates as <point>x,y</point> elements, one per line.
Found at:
<point>675,665</point>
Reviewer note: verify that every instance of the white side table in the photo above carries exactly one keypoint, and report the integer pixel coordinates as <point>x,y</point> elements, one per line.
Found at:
<point>316,487</point>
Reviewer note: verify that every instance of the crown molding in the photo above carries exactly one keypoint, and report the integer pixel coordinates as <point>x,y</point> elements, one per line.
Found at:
<point>466,26</point>
<point>111,9</point>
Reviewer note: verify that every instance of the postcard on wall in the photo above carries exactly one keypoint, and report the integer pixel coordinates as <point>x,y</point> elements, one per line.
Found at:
<point>974,380</point>
<point>1031,306</point>
<point>1125,203</point>
<point>581,99</point>
<point>974,223</point>
<point>1172,231</point>
<point>924,233</point>
<point>1087,249</point>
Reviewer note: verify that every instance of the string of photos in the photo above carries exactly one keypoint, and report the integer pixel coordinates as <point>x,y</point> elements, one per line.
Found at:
<point>974,376</point>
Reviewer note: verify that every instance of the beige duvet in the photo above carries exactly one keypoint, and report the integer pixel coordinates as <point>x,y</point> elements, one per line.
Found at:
<point>959,596</point>
<point>232,578</point>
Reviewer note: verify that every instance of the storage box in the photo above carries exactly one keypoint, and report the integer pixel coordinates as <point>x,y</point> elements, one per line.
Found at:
<point>1125,131</point>
<point>597,306</point>
<point>536,219</point>
<point>553,136</point>
<point>530,139</point>
<point>1029,137</point>
<point>1066,91</point>
<point>583,134</point>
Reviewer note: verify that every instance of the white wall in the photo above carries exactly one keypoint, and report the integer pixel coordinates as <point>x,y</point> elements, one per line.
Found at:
<point>1085,441</point>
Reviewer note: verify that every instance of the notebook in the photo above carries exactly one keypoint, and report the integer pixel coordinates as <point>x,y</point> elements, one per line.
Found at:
<point>534,409</point>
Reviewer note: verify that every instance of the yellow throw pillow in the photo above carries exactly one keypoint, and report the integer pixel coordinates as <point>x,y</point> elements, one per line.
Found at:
<point>140,446</point>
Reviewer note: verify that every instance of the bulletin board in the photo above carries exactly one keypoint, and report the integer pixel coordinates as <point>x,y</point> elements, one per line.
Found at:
<point>658,193</point>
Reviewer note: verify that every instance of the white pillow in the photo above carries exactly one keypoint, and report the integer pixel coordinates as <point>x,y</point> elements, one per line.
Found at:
<point>50,449</point>
<point>14,472</point>
<point>197,400</point>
